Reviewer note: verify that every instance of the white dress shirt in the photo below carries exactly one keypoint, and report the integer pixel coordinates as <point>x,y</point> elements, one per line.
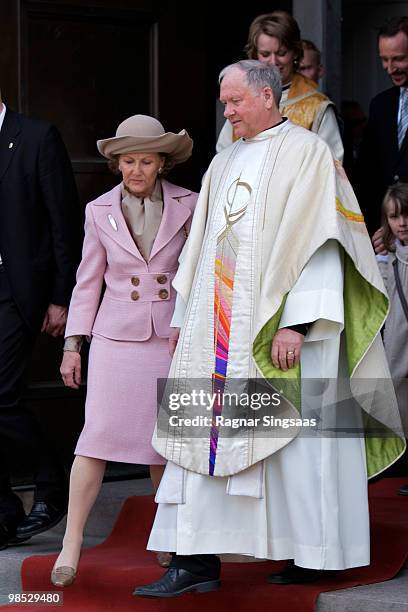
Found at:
<point>2,115</point>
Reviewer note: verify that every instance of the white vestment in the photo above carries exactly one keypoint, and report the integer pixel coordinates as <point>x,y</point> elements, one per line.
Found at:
<point>311,505</point>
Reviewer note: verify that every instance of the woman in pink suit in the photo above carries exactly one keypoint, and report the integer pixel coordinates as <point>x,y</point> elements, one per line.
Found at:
<point>133,238</point>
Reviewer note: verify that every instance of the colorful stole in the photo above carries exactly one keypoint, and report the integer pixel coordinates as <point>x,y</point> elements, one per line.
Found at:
<point>225,262</point>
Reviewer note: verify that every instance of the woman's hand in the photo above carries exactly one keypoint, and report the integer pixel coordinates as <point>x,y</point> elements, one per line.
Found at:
<point>286,347</point>
<point>173,339</point>
<point>71,369</point>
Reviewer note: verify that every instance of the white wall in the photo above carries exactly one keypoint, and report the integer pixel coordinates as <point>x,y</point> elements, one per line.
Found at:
<point>320,22</point>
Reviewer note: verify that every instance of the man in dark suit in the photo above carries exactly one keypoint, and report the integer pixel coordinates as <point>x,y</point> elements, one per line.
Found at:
<point>383,155</point>
<point>39,244</point>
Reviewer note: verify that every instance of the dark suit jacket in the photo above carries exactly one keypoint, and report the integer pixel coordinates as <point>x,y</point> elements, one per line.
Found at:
<point>39,216</point>
<point>380,163</point>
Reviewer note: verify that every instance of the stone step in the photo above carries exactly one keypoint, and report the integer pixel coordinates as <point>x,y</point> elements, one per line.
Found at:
<point>100,523</point>
<point>389,596</point>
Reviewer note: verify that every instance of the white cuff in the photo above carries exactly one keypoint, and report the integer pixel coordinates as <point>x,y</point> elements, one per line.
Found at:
<point>317,296</point>
<point>179,312</point>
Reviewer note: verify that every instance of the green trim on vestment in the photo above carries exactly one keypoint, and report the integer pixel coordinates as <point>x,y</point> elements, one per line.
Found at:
<point>363,318</point>
<point>365,309</point>
<point>289,381</point>
<point>381,452</point>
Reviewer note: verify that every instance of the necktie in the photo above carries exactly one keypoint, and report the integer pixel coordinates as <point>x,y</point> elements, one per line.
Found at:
<point>403,121</point>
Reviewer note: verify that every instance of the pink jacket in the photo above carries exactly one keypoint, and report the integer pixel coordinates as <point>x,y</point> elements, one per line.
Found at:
<point>138,294</point>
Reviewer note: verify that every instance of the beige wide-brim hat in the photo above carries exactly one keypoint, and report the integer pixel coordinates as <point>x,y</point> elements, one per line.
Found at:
<point>144,134</point>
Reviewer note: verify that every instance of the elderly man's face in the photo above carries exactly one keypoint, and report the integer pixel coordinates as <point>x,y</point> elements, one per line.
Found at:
<point>394,56</point>
<point>247,111</point>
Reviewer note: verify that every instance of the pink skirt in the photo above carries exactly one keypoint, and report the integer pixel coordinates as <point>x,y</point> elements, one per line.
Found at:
<point>121,401</point>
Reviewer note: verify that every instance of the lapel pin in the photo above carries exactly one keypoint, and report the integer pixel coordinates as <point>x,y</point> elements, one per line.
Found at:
<point>113,222</point>
<point>11,145</point>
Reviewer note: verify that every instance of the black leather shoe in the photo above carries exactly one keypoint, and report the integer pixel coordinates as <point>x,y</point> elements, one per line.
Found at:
<point>177,581</point>
<point>403,490</point>
<point>42,517</point>
<point>8,527</point>
<point>293,574</point>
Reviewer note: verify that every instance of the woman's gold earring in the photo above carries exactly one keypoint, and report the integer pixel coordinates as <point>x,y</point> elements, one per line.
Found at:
<point>160,170</point>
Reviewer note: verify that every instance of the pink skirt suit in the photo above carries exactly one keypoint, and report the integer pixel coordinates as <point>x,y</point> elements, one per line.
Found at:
<point>129,328</point>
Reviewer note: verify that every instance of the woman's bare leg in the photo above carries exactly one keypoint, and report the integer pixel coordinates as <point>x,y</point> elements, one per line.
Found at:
<point>85,483</point>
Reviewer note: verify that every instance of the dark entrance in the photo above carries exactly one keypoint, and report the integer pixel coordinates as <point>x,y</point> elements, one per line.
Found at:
<point>85,65</point>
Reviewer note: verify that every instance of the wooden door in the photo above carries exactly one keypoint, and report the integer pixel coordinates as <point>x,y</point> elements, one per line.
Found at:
<point>85,65</point>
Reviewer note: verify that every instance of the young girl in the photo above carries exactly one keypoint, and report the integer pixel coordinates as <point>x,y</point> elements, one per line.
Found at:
<point>394,269</point>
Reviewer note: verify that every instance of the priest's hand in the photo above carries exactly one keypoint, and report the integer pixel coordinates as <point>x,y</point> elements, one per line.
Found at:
<point>286,347</point>
<point>173,339</point>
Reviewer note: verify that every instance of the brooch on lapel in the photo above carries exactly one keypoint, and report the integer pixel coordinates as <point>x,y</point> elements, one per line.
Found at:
<point>185,230</point>
<point>113,222</point>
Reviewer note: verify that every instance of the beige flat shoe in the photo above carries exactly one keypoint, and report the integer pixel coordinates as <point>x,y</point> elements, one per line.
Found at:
<point>63,576</point>
<point>164,559</point>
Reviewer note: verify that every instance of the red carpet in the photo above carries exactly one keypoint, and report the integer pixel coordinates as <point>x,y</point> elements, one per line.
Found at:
<point>109,572</point>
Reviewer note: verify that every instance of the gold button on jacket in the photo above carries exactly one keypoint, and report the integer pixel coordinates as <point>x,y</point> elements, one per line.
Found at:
<point>135,280</point>
<point>134,295</point>
<point>163,294</point>
<point>162,279</point>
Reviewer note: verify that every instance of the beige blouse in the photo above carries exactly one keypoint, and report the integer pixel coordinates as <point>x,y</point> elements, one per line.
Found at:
<point>143,217</point>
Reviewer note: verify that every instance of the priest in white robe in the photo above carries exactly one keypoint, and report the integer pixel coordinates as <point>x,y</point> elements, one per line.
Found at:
<point>278,280</point>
